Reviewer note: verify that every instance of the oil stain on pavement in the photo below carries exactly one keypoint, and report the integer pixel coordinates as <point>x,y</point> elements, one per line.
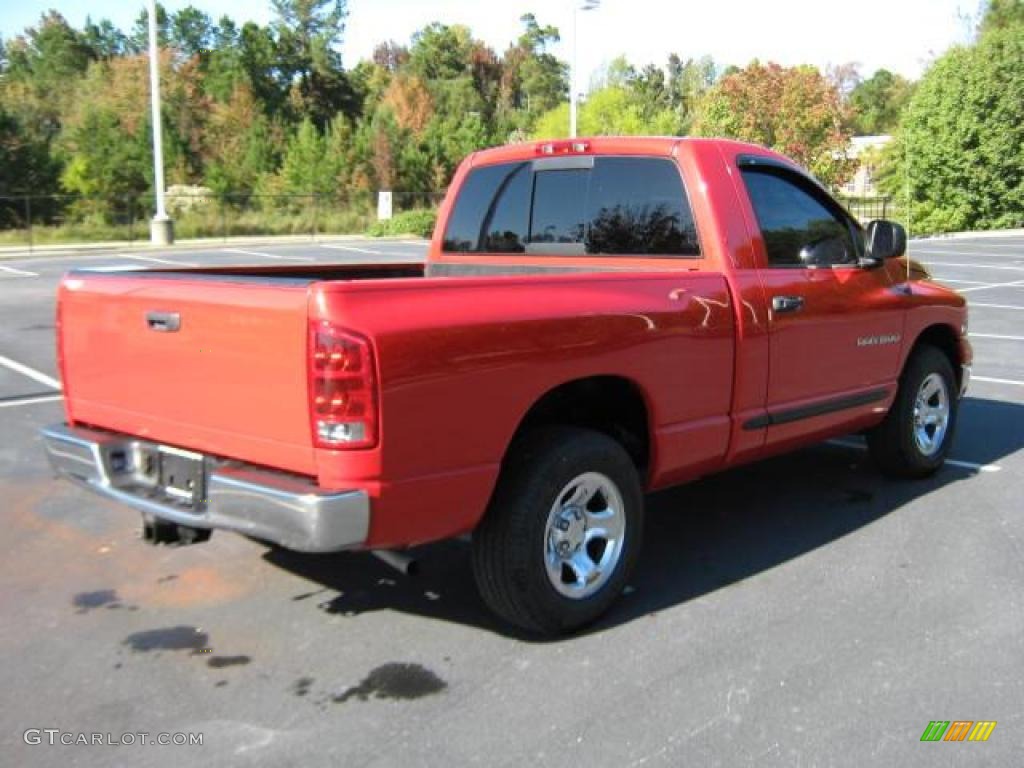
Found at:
<point>302,686</point>
<point>394,681</point>
<point>180,638</point>
<point>86,601</point>
<point>100,598</point>
<point>219,662</point>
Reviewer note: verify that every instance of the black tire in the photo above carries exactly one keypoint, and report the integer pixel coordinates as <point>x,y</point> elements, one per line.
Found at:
<point>892,443</point>
<point>509,559</point>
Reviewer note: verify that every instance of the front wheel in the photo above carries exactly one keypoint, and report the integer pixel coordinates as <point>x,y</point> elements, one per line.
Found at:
<point>915,436</point>
<point>562,532</point>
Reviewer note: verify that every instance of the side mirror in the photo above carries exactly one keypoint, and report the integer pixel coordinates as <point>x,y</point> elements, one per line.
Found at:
<point>886,239</point>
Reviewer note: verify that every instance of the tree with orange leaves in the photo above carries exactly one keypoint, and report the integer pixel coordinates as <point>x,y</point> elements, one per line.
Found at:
<point>794,110</point>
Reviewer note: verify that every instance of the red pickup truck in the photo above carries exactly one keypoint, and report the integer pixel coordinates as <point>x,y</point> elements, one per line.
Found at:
<point>597,318</point>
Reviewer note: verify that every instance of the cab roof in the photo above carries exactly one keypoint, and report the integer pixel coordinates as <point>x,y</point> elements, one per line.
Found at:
<point>601,145</point>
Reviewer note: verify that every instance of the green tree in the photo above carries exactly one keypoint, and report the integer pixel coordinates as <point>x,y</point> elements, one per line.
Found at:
<point>241,144</point>
<point>25,162</point>
<point>104,40</point>
<point>309,33</point>
<point>307,167</point>
<point>688,81</point>
<point>191,32</point>
<point>248,56</point>
<point>48,57</point>
<point>38,85</point>
<point>138,38</point>
<point>651,91</point>
<point>878,102</point>
<point>112,101</point>
<point>1002,14</point>
<point>441,52</point>
<point>610,111</point>
<point>106,163</point>
<point>543,78</point>
<point>963,134</point>
<point>796,111</point>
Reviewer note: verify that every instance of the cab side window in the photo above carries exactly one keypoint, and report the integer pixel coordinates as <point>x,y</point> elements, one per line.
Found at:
<point>493,210</point>
<point>801,226</point>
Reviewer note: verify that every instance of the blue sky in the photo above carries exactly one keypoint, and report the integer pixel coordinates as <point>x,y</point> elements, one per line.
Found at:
<point>901,35</point>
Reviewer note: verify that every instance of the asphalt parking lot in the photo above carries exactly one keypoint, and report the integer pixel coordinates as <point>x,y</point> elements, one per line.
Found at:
<point>803,611</point>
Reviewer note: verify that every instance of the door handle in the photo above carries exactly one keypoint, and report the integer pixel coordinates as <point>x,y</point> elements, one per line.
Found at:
<point>787,303</point>
<point>166,322</point>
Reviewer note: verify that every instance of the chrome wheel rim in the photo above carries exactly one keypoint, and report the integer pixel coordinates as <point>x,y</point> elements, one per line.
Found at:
<point>584,535</point>
<point>931,414</point>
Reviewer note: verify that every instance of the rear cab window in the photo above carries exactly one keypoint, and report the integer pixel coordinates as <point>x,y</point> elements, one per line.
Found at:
<point>575,206</point>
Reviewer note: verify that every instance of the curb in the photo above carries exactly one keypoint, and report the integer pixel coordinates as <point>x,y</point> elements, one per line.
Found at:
<point>983,235</point>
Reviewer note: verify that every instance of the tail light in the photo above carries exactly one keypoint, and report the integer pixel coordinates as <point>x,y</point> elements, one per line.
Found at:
<point>342,388</point>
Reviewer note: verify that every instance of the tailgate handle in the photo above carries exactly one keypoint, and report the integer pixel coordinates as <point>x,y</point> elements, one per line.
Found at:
<point>166,322</point>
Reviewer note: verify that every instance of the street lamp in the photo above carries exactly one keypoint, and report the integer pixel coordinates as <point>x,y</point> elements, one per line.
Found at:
<point>577,6</point>
<point>161,229</point>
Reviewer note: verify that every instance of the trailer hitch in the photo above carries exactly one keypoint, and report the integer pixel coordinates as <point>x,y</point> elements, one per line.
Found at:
<point>156,531</point>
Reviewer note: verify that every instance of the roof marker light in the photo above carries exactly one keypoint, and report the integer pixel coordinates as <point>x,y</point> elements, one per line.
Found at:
<point>563,147</point>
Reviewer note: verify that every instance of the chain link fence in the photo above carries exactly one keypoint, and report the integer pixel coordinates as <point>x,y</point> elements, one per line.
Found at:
<point>34,220</point>
<point>866,209</point>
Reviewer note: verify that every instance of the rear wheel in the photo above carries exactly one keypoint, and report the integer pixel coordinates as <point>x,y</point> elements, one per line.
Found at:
<point>915,436</point>
<point>562,532</point>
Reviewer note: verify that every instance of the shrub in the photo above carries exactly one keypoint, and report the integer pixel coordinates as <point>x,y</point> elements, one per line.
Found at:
<point>417,222</point>
<point>963,133</point>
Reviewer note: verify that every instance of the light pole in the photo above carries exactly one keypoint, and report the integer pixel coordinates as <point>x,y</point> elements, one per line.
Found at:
<point>577,6</point>
<point>161,229</point>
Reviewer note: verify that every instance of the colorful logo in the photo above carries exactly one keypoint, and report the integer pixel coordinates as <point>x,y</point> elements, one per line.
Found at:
<point>958,730</point>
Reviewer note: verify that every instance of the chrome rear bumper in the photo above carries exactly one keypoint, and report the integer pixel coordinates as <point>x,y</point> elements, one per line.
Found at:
<point>286,509</point>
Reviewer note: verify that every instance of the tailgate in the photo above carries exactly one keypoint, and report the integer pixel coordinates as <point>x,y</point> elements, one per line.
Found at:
<point>230,379</point>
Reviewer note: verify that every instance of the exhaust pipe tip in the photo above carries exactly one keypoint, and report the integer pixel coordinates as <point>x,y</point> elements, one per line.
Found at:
<point>407,566</point>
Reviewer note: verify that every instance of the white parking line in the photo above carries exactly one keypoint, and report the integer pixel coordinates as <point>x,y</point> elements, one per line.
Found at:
<point>990,380</point>
<point>32,373</point>
<point>978,266</point>
<point>353,249</point>
<point>19,272</point>
<point>971,249</point>
<point>975,244</point>
<point>937,257</point>
<point>113,268</point>
<point>972,465</point>
<point>1015,284</point>
<point>954,462</point>
<point>963,282</point>
<point>972,305</point>
<point>266,255</point>
<point>31,401</point>
<point>995,336</point>
<point>155,260</point>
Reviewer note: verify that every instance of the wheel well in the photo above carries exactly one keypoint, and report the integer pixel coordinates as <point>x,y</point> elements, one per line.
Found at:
<point>943,338</point>
<point>608,404</point>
